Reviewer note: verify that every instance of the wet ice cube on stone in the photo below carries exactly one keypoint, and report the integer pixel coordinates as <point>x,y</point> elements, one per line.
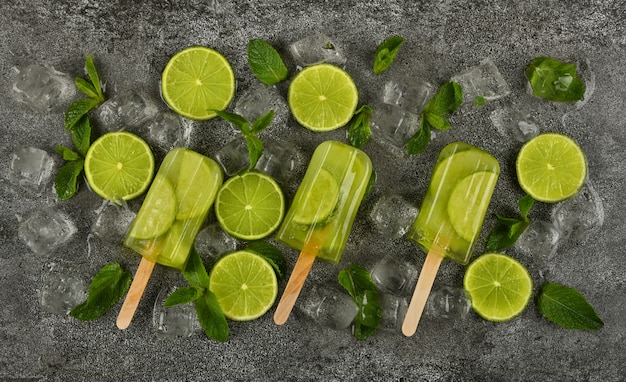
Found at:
<point>392,215</point>
<point>31,169</point>
<point>43,88</point>
<point>279,160</point>
<point>327,306</point>
<point>233,156</point>
<point>212,242</point>
<point>393,125</point>
<point>407,92</point>
<point>448,302</point>
<point>395,274</point>
<point>394,310</point>
<point>126,110</point>
<point>515,122</point>
<point>112,222</point>
<point>483,81</point>
<point>316,49</point>
<point>539,240</point>
<point>165,131</point>
<point>258,101</point>
<point>46,229</point>
<point>580,216</point>
<point>179,320</point>
<point>61,290</point>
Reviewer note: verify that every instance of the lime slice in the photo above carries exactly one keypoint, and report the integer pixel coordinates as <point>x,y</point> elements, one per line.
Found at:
<point>199,179</point>
<point>499,285</point>
<point>196,80</point>
<point>322,97</point>
<point>469,201</point>
<point>245,285</point>
<point>551,167</point>
<point>157,212</point>
<point>250,206</point>
<point>119,165</point>
<point>320,200</point>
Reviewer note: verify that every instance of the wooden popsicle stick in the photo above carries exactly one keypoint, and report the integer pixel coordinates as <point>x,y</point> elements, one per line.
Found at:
<point>144,271</point>
<point>295,283</point>
<point>422,289</point>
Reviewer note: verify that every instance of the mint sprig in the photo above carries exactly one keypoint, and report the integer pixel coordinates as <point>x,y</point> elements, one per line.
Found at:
<point>358,282</point>
<point>105,290</point>
<point>77,123</point>
<point>360,127</point>
<point>249,132</point>
<point>567,307</point>
<point>265,62</point>
<point>448,98</point>
<point>508,229</point>
<point>386,53</point>
<point>555,80</point>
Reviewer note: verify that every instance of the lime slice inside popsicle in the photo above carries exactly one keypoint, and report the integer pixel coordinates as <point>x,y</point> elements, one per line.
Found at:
<point>320,199</point>
<point>158,211</point>
<point>196,186</point>
<point>469,201</point>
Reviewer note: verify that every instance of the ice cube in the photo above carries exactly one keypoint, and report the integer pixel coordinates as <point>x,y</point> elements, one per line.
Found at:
<point>448,302</point>
<point>112,222</point>
<point>126,110</point>
<point>31,169</point>
<point>280,161</point>
<point>408,92</point>
<point>515,122</point>
<point>580,216</point>
<point>212,242</point>
<point>258,101</point>
<point>165,131</point>
<point>233,156</point>
<point>393,312</point>
<point>539,240</point>
<point>482,82</point>
<point>46,229</point>
<point>179,320</point>
<point>327,306</point>
<point>394,274</point>
<point>315,49</point>
<point>61,290</point>
<point>43,88</point>
<point>393,125</point>
<point>392,215</point>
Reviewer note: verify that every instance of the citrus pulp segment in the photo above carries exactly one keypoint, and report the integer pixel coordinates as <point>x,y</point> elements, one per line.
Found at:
<point>250,206</point>
<point>499,285</point>
<point>197,80</point>
<point>119,166</point>
<point>245,285</point>
<point>153,222</point>
<point>322,97</point>
<point>551,167</point>
<point>321,199</point>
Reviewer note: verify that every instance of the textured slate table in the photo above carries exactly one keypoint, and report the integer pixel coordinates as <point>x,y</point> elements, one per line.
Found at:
<point>131,43</point>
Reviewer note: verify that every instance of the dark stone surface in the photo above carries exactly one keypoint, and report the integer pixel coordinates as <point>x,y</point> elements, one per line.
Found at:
<point>132,41</point>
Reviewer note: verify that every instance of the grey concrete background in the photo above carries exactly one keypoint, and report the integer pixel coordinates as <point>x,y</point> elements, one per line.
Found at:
<point>132,41</point>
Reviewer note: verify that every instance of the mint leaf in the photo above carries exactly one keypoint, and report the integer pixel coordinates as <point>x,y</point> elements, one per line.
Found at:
<point>265,62</point>
<point>359,131</point>
<point>211,317</point>
<point>86,87</point>
<point>505,234</point>
<point>386,53</point>
<point>106,289</point>
<point>479,101</point>
<point>525,204</point>
<point>66,179</point>
<point>81,135</point>
<point>262,122</point>
<point>67,153</point>
<point>238,121</point>
<point>448,98</point>
<point>90,67</point>
<point>358,282</point>
<point>77,110</point>
<point>436,121</point>
<point>195,273</point>
<point>255,150</point>
<point>371,183</point>
<point>555,80</point>
<point>270,253</point>
<point>568,308</point>
<point>183,295</point>
<point>418,142</point>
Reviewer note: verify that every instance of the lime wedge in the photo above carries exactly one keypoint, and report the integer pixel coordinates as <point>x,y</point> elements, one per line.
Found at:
<point>119,166</point>
<point>157,212</point>
<point>245,285</point>
<point>320,201</point>
<point>250,206</point>
<point>499,285</point>
<point>469,201</point>
<point>551,167</point>
<point>322,97</point>
<point>198,181</point>
<point>197,80</point>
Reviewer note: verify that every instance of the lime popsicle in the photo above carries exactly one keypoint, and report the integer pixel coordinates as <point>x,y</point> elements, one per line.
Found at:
<point>451,215</point>
<point>173,211</point>
<point>320,218</point>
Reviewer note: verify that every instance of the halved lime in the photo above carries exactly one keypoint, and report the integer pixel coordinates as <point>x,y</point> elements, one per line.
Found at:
<point>245,285</point>
<point>322,97</point>
<point>119,166</point>
<point>320,200</point>
<point>198,181</point>
<point>499,285</point>
<point>551,167</point>
<point>157,212</point>
<point>469,201</point>
<point>250,206</point>
<point>196,80</point>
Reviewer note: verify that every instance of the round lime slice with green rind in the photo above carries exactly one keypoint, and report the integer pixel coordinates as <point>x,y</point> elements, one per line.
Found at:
<point>157,212</point>
<point>320,200</point>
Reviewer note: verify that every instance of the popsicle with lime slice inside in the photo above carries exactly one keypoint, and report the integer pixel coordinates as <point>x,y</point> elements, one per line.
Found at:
<point>322,212</point>
<point>166,225</point>
<point>451,216</point>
